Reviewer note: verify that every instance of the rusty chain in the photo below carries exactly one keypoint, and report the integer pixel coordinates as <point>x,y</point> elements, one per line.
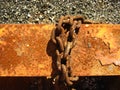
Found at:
<point>64,36</point>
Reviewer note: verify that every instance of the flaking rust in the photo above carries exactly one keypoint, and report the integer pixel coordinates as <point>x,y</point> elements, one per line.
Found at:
<point>99,50</point>
<point>25,50</point>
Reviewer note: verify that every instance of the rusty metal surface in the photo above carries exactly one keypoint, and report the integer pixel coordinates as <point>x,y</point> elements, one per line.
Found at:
<point>97,51</point>
<point>25,50</point>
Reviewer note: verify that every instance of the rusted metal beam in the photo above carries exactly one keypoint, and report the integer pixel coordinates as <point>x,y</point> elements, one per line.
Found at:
<point>26,50</point>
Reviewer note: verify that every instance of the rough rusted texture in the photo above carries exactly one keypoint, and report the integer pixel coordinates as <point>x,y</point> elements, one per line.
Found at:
<point>25,50</point>
<point>97,50</point>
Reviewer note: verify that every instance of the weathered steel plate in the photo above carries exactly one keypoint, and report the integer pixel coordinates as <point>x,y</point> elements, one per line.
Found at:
<point>23,50</point>
<point>26,50</point>
<point>97,51</point>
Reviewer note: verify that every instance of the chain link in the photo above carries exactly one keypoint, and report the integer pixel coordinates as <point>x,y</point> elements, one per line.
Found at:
<point>64,36</point>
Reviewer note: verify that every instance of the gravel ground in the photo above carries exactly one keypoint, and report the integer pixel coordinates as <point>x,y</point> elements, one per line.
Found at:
<point>48,11</point>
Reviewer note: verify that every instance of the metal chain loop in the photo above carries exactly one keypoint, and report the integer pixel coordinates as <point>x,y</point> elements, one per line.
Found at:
<point>64,36</point>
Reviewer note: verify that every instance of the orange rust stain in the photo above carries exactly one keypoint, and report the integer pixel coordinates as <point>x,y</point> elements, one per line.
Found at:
<point>25,50</point>
<point>98,47</point>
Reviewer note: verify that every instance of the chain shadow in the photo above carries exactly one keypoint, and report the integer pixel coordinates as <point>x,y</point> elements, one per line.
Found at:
<point>51,51</point>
